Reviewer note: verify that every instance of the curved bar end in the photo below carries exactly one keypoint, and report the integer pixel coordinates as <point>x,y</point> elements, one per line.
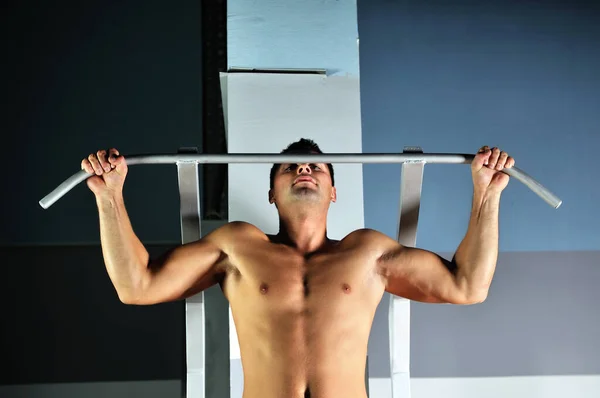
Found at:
<point>46,202</point>
<point>63,188</point>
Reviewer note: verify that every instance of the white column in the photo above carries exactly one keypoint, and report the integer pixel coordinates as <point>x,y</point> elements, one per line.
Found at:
<point>267,111</point>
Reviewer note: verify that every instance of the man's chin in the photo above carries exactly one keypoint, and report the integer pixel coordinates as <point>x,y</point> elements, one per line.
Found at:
<point>305,188</point>
<point>305,193</point>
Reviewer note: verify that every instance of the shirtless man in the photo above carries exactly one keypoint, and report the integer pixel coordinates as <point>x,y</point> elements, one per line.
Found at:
<point>303,304</point>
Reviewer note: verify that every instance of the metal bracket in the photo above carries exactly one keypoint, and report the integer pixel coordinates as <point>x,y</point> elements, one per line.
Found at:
<point>189,198</point>
<point>411,184</point>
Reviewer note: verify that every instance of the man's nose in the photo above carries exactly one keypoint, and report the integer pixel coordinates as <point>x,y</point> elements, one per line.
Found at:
<point>304,169</point>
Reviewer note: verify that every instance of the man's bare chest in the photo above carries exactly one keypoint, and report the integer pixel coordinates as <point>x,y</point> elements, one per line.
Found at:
<point>276,276</point>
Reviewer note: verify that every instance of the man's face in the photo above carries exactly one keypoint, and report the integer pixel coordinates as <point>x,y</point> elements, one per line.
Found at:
<point>308,182</point>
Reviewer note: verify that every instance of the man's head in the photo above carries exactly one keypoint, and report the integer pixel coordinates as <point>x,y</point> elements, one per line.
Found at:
<point>309,181</point>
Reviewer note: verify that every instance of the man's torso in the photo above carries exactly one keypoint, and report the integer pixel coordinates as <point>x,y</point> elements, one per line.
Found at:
<point>303,322</point>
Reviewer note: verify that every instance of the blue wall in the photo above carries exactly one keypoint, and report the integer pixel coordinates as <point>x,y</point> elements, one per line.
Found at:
<point>452,77</point>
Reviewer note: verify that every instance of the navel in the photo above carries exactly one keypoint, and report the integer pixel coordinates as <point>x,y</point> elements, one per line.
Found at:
<point>264,288</point>
<point>346,288</point>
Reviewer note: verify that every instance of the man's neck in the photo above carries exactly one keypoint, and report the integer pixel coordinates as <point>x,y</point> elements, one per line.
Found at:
<point>305,233</point>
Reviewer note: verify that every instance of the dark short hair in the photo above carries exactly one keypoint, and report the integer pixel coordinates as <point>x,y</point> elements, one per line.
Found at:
<point>303,145</point>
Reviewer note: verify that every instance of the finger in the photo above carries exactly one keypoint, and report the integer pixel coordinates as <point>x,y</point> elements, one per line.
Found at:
<point>87,167</point>
<point>493,158</point>
<point>93,159</point>
<point>510,162</point>
<point>101,154</point>
<point>113,153</point>
<point>501,161</point>
<point>481,158</point>
<point>114,157</point>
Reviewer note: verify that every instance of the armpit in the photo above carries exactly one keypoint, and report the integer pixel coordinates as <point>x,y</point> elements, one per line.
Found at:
<point>225,267</point>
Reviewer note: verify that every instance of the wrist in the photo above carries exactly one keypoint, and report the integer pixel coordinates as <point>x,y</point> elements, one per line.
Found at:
<point>484,196</point>
<point>109,199</point>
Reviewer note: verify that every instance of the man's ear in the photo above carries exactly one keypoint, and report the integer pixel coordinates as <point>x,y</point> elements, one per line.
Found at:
<point>271,198</point>
<point>333,194</point>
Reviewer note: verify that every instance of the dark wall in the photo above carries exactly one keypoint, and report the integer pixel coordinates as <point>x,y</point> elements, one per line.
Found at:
<point>81,76</point>
<point>77,77</point>
<point>62,322</point>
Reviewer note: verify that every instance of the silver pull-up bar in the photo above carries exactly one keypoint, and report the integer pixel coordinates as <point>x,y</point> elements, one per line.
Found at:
<point>438,158</point>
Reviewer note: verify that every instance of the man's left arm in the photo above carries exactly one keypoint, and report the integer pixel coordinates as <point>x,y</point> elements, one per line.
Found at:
<point>424,276</point>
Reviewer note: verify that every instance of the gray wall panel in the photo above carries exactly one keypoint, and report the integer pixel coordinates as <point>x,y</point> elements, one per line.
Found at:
<point>541,318</point>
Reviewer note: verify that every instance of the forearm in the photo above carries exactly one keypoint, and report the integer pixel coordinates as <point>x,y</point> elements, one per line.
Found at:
<point>125,256</point>
<point>477,254</point>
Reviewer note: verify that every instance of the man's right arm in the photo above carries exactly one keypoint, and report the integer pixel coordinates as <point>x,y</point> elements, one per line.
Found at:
<point>140,280</point>
<point>180,273</point>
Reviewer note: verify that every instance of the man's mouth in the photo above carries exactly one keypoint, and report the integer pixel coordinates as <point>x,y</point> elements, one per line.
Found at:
<point>304,179</point>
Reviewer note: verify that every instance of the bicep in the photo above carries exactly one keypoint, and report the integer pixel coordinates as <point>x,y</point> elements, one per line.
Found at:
<point>420,275</point>
<point>181,272</point>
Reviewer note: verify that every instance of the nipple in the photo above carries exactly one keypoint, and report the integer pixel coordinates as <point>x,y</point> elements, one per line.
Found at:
<point>264,288</point>
<point>346,288</point>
